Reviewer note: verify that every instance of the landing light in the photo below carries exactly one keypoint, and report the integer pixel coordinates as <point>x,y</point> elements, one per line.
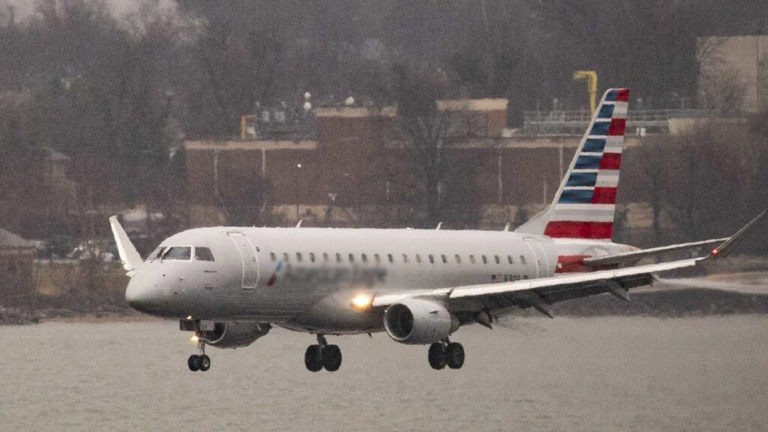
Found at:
<point>194,339</point>
<point>362,302</point>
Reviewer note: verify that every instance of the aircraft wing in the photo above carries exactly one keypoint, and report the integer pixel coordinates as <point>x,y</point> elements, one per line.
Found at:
<point>634,256</point>
<point>540,293</point>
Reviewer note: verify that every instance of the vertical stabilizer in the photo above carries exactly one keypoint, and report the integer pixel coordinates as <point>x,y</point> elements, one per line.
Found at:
<point>585,203</point>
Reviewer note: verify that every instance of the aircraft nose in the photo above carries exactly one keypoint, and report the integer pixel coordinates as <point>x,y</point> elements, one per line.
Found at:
<point>142,295</point>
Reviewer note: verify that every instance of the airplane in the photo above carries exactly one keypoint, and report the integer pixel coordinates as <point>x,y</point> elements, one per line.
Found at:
<point>230,285</point>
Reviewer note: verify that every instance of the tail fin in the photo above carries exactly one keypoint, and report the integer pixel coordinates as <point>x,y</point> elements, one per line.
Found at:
<point>585,203</point>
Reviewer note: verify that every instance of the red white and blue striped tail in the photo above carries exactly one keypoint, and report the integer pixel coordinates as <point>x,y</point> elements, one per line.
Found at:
<point>585,203</point>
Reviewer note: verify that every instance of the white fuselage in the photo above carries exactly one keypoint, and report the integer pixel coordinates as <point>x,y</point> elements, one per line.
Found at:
<point>305,278</point>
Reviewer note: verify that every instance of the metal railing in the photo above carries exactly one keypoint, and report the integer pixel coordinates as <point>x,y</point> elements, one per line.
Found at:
<point>570,122</point>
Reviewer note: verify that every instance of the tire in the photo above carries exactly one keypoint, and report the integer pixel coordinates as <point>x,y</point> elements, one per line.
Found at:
<point>437,357</point>
<point>331,358</point>
<point>313,358</point>
<point>205,363</point>
<point>194,363</point>
<point>455,355</point>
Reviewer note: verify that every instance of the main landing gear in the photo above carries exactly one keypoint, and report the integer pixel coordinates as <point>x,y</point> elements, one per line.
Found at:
<point>446,353</point>
<point>322,356</point>
<point>199,362</point>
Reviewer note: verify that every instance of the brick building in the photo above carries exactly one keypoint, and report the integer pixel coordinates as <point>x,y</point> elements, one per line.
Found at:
<point>357,158</point>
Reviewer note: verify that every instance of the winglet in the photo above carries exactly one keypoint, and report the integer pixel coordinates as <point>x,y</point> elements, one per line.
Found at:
<point>128,254</point>
<point>727,246</point>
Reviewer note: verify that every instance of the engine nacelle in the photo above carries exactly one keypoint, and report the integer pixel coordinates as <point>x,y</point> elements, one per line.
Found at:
<point>419,321</point>
<point>233,334</point>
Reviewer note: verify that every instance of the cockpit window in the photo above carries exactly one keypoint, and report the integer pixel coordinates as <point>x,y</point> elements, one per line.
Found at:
<point>157,253</point>
<point>203,254</point>
<point>182,253</point>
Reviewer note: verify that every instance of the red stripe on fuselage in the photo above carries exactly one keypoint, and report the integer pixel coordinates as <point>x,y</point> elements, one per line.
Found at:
<point>572,264</point>
<point>610,161</point>
<point>604,195</point>
<point>583,230</point>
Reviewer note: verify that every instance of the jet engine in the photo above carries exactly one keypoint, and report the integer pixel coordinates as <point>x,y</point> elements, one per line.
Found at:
<point>233,334</point>
<point>419,321</point>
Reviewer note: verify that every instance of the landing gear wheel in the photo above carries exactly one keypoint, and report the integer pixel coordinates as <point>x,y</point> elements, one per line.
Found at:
<point>313,358</point>
<point>195,363</point>
<point>437,356</point>
<point>455,355</point>
<point>205,363</point>
<point>331,358</point>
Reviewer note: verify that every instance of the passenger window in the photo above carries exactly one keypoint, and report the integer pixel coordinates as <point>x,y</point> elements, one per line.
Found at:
<point>472,259</point>
<point>338,257</point>
<point>405,258</point>
<point>286,257</point>
<point>325,256</point>
<point>364,258</point>
<point>444,258</point>
<point>522,259</point>
<point>431,259</point>
<point>182,253</point>
<point>272,256</point>
<point>510,260</point>
<point>312,257</point>
<point>418,259</point>
<point>203,254</point>
<point>497,259</point>
<point>376,258</point>
<point>298,256</point>
<point>351,258</point>
<point>485,260</point>
<point>458,258</point>
<point>390,258</point>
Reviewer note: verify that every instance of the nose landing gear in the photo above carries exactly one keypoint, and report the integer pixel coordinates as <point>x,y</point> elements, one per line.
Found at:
<point>322,356</point>
<point>199,362</point>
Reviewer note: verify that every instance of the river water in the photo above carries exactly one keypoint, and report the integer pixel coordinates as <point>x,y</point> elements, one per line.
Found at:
<point>632,374</point>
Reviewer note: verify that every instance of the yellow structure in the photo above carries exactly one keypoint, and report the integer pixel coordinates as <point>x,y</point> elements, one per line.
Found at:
<point>591,77</point>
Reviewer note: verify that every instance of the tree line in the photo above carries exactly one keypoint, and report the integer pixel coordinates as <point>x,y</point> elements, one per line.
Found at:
<point>118,95</point>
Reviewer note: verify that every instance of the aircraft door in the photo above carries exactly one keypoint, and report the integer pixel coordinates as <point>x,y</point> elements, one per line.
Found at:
<point>248,258</point>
